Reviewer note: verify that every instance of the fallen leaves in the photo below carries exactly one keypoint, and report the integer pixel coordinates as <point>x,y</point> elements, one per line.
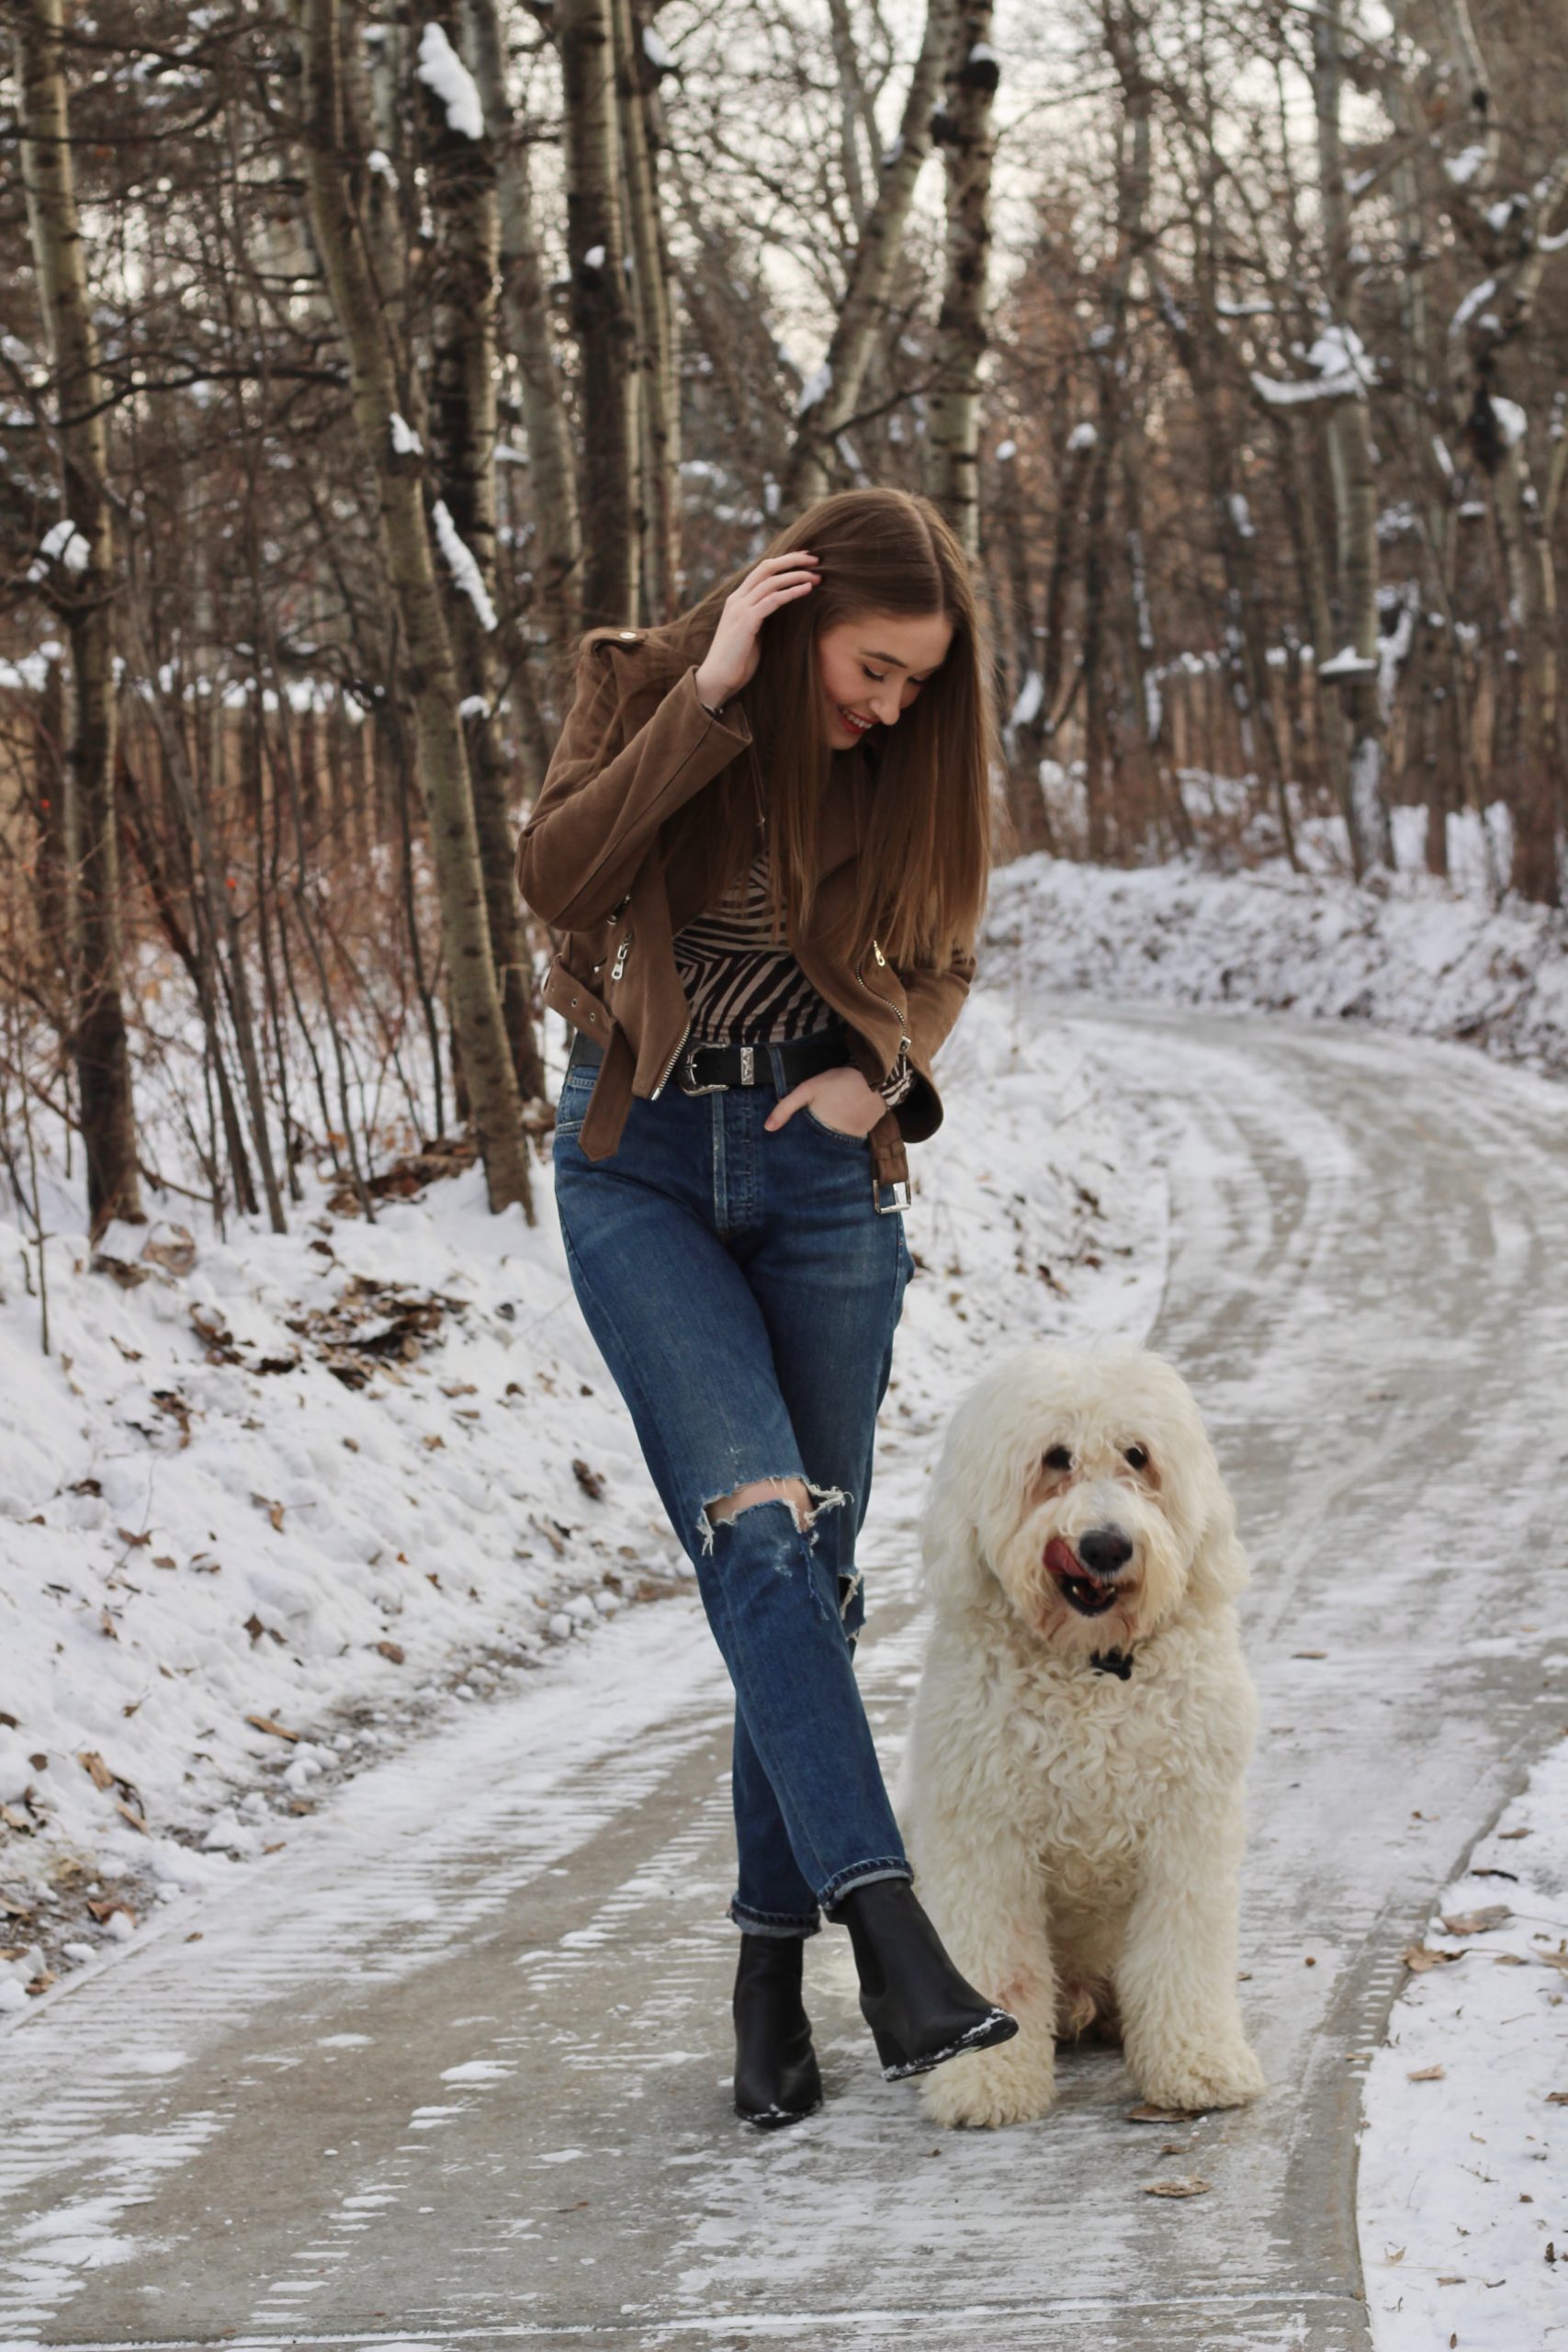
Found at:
<point>1557,2099</point>
<point>393,1651</point>
<point>1426,2074</point>
<point>1188,2184</point>
<point>1419,1958</point>
<point>277,1731</point>
<point>590,1481</point>
<point>1476,1923</point>
<point>1149,2114</point>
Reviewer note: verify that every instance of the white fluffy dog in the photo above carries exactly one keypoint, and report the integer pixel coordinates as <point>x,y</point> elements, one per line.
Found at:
<point>1073,1780</point>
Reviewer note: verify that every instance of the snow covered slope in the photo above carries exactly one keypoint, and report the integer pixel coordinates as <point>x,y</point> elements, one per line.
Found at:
<point>1410,954</point>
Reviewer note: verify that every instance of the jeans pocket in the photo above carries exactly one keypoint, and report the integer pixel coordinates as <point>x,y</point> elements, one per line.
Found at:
<point>838,1134</point>
<point>571,1103</point>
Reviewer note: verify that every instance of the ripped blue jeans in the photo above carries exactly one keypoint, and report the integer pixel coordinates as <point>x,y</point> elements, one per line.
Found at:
<point>743,1291</point>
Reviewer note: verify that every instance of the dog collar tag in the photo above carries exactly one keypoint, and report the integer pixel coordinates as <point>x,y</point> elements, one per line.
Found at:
<point>1116,1662</point>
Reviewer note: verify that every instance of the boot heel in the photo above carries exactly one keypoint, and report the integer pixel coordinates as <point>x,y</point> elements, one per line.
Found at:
<point>920,2010</point>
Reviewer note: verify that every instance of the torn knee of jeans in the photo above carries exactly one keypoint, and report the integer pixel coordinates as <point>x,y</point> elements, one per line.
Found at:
<point>806,1503</point>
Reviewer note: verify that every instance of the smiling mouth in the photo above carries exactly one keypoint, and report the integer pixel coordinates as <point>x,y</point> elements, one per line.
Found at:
<point>859,725</point>
<point>1090,1595</point>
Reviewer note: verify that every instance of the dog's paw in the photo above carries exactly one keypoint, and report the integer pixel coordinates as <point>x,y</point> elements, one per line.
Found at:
<point>1223,2074</point>
<point>1009,2085</point>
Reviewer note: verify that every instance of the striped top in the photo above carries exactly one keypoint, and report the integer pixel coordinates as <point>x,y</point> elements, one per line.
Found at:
<point>744,986</point>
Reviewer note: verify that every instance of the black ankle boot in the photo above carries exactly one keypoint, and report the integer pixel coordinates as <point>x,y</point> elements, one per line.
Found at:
<point>776,2079</point>
<point>918,2007</point>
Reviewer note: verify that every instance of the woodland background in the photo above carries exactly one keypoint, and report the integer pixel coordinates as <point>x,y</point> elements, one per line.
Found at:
<point>353,359</point>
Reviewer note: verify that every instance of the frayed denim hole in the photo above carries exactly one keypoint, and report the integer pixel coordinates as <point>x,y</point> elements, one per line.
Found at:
<point>821,1499</point>
<point>826,1499</point>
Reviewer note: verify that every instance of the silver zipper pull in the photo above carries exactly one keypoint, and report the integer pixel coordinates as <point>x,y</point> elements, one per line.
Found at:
<point>619,965</point>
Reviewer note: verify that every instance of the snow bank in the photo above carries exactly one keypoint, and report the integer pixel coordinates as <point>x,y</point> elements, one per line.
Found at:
<point>1414,955</point>
<point>1460,2204</point>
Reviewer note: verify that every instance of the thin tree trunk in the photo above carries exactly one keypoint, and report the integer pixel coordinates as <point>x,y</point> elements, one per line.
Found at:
<point>601,315</point>
<point>98,1038</point>
<point>443,765</point>
<point>460,177</point>
<point>658,407</point>
<point>525,331</point>
<point>830,398</point>
<point>1366,802</point>
<point>963,130</point>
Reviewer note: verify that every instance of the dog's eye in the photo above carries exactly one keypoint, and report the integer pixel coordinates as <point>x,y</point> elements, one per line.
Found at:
<point>1057,1457</point>
<point>1136,1458</point>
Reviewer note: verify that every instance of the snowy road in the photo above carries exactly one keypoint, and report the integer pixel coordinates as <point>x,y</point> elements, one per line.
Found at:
<point>452,2068</point>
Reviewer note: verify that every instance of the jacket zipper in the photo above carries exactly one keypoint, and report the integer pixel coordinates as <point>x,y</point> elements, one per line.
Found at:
<point>670,1063</point>
<point>877,997</point>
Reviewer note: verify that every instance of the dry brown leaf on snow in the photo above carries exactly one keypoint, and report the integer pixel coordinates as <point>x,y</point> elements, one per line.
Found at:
<point>1393,2254</point>
<point>1476,1923</point>
<point>1309,1653</point>
<point>134,1818</point>
<point>104,1906</point>
<point>392,1650</point>
<point>278,1731</point>
<point>1426,2074</point>
<point>590,1481</point>
<point>135,1542</point>
<point>1147,2114</point>
<point>1557,2099</point>
<point>1503,1835</point>
<point>1181,2184</point>
<point>1418,1958</point>
<point>92,1764</point>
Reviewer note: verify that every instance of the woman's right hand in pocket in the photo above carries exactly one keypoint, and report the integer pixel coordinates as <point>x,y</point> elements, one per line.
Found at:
<point>732,657</point>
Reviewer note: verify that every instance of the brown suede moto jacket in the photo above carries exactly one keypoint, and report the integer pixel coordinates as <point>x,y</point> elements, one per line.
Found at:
<point>590,863</point>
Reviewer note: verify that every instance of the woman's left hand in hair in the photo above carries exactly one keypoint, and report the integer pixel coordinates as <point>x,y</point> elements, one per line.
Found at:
<point>839,1098</point>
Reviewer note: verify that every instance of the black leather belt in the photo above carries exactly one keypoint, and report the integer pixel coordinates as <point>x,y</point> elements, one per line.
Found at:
<point>709,1070</point>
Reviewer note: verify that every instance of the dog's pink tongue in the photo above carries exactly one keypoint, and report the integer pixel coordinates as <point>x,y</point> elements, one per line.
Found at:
<point>1062,1560</point>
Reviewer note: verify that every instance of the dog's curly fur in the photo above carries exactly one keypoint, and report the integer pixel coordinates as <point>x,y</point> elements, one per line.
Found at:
<point>1077,1837</point>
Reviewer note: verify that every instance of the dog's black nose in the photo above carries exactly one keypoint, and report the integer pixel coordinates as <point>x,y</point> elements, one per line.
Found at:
<point>1104,1549</point>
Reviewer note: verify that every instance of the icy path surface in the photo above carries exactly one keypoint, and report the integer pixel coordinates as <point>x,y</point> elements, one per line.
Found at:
<point>452,2068</point>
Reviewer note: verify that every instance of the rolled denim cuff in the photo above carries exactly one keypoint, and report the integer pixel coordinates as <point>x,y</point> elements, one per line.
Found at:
<point>773,1922</point>
<point>861,1874</point>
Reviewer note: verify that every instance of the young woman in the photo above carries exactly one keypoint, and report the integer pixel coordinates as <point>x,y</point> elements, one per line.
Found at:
<point>764,833</point>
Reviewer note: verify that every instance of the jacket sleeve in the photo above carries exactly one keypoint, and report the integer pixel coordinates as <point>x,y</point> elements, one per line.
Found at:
<point>934,995</point>
<point>600,807</point>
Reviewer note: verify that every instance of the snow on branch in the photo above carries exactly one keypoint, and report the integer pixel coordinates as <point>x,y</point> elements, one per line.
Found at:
<point>63,544</point>
<point>460,563</point>
<point>442,71</point>
<point>816,388</point>
<point>1471,304</point>
<point>406,442</point>
<point>1345,368</point>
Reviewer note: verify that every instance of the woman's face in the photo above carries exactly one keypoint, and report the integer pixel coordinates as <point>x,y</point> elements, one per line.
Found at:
<point>873,666</point>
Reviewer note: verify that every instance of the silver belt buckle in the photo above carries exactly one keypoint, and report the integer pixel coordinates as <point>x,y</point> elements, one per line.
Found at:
<point>747,1066</point>
<point>689,1075</point>
<point>899,1188</point>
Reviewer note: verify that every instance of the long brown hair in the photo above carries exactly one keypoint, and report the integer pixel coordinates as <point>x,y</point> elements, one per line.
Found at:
<point>925,859</point>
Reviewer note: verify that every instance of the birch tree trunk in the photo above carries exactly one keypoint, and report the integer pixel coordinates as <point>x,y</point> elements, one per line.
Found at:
<point>85,568</point>
<point>830,399</point>
<point>433,682</point>
<point>602,316</point>
<point>658,403</point>
<point>525,331</point>
<point>461,179</point>
<point>963,128</point>
<point>1366,803</point>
